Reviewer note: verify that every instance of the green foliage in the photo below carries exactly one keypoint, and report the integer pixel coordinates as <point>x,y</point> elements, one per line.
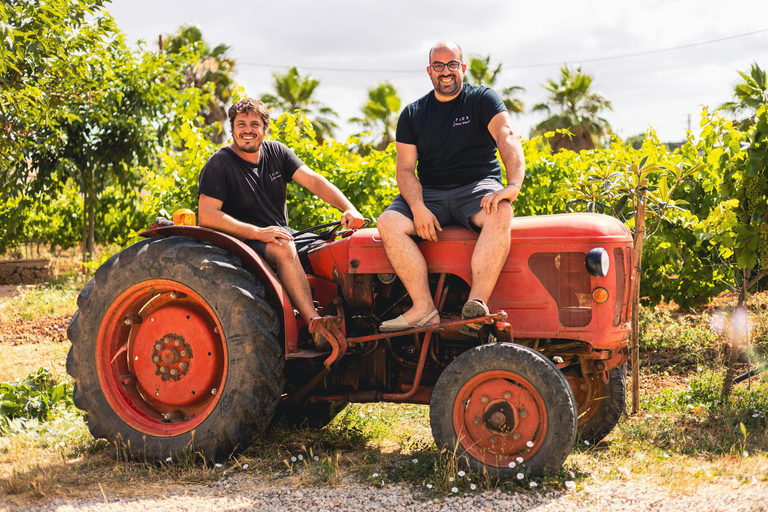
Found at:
<point>573,106</point>
<point>294,91</point>
<point>380,114</point>
<point>30,401</point>
<point>749,96</point>
<point>367,181</point>
<point>480,72</point>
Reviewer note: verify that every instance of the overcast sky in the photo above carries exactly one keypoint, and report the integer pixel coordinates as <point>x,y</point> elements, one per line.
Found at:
<point>352,45</point>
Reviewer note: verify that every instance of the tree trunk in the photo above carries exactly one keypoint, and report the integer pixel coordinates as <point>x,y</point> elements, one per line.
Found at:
<point>638,249</point>
<point>737,332</point>
<point>84,244</point>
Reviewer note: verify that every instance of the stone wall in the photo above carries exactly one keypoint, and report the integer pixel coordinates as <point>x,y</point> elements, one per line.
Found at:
<point>24,271</point>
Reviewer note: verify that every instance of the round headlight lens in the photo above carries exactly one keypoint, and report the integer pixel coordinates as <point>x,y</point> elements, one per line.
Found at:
<point>598,262</point>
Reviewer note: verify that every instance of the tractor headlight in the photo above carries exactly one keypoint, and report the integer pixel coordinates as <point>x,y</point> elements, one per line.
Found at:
<point>598,262</point>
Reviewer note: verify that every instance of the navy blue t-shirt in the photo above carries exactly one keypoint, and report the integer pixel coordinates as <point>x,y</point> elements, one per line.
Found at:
<point>452,138</point>
<point>252,193</point>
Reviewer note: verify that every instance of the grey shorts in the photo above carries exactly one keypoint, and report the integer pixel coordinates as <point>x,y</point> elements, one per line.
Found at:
<point>452,206</point>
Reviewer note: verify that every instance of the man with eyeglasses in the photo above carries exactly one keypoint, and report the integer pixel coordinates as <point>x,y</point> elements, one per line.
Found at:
<point>450,136</point>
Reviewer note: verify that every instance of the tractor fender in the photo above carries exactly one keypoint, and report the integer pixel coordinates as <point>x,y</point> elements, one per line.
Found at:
<point>251,261</point>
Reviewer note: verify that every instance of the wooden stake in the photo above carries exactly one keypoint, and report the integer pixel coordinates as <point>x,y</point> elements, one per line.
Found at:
<point>635,348</point>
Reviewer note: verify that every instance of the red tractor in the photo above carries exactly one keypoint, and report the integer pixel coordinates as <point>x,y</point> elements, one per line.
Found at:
<point>186,341</point>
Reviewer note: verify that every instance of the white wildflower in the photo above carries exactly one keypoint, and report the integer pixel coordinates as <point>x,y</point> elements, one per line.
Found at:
<point>529,444</point>
<point>169,459</point>
<point>301,457</point>
<point>533,484</point>
<point>429,486</point>
<point>570,484</point>
<point>245,466</point>
<point>451,479</point>
<point>511,464</point>
<point>461,473</point>
<point>746,454</point>
<point>218,465</point>
<point>586,442</point>
<point>473,486</point>
<point>415,461</point>
<point>374,475</point>
<point>293,459</point>
<point>454,489</point>
<point>519,460</point>
<point>316,458</point>
<point>520,476</point>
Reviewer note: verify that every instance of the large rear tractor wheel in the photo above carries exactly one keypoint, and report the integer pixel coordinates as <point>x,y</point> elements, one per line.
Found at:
<point>600,404</point>
<point>504,408</point>
<point>175,349</point>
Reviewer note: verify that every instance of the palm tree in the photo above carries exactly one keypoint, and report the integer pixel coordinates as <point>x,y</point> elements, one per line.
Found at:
<point>214,68</point>
<point>294,92</point>
<point>479,72</point>
<point>571,105</point>
<point>380,113</point>
<point>749,95</point>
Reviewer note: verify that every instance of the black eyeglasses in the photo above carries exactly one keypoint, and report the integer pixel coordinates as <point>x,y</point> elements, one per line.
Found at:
<point>452,66</point>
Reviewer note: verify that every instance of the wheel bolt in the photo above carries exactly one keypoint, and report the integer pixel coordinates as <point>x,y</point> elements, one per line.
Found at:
<point>507,395</point>
<point>156,359</point>
<point>163,369</point>
<point>174,371</point>
<point>173,295</point>
<point>492,440</point>
<point>484,399</point>
<point>516,436</point>
<point>216,330</point>
<point>183,365</point>
<point>168,340</point>
<point>177,343</point>
<point>478,421</point>
<point>167,416</point>
<point>214,391</point>
<point>523,413</point>
<point>159,346</point>
<point>183,353</point>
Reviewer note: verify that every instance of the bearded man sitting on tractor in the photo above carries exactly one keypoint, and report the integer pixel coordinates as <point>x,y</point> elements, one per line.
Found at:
<point>452,133</point>
<point>242,191</point>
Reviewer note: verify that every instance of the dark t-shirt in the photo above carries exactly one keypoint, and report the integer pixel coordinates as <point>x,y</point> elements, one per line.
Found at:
<point>252,193</point>
<point>452,138</point>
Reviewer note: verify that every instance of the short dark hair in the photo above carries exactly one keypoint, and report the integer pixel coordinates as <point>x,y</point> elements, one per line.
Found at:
<point>249,105</point>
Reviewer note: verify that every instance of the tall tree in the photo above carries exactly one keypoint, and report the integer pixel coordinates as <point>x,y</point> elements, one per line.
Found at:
<point>480,72</point>
<point>77,105</point>
<point>213,69</point>
<point>294,91</point>
<point>380,114</point>
<point>748,96</point>
<point>573,106</point>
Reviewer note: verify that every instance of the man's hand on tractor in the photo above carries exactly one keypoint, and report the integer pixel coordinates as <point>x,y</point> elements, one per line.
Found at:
<point>490,203</point>
<point>426,223</point>
<point>352,219</point>
<point>273,234</point>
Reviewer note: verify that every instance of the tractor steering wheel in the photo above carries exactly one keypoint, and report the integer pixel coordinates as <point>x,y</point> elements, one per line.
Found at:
<point>326,235</point>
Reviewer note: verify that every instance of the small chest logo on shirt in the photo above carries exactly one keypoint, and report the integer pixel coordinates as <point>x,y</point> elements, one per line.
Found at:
<point>274,175</point>
<point>461,120</point>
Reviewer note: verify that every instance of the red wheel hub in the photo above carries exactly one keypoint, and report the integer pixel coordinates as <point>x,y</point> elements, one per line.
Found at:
<point>499,417</point>
<point>161,358</point>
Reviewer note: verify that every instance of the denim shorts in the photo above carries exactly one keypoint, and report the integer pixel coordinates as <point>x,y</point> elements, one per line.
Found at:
<point>451,205</point>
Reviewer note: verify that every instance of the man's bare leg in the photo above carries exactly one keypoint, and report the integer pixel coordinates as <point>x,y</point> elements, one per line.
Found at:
<point>408,262</point>
<point>292,277</point>
<point>491,250</point>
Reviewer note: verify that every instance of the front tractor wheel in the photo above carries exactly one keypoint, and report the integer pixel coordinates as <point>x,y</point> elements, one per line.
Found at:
<point>175,349</point>
<point>506,408</point>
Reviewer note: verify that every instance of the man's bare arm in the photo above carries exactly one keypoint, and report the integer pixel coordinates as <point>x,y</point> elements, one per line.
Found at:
<point>211,216</point>
<point>511,151</point>
<point>330,193</point>
<point>424,221</point>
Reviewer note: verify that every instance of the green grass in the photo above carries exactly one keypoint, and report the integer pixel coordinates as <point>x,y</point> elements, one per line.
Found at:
<point>33,302</point>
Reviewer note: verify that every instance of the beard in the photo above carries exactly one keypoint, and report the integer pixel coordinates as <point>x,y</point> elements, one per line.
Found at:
<point>251,146</point>
<point>450,88</point>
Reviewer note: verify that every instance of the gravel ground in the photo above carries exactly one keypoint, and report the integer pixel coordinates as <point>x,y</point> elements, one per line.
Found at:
<point>244,493</point>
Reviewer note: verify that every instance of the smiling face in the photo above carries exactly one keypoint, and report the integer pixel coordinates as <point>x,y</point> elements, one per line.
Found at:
<point>248,133</point>
<point>447,83</point>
